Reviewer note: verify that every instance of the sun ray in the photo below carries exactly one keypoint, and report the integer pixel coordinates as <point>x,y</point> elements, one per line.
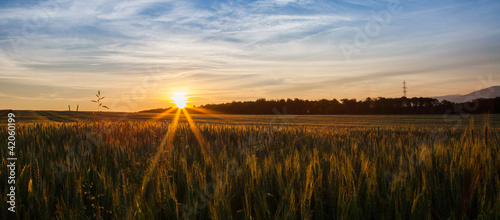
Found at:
<point>163,114</point>
<point>197,134</point>
<point>174,126</point>
<point>211,113</point>
<point>165,145</point>
<point>206,111</point>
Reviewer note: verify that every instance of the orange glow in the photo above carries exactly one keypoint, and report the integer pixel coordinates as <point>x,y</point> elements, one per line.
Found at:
<point>163,114</point>
<point>211,113</point>
<point>180,99</point>
<point>166,144</point>
<point>196,133</point>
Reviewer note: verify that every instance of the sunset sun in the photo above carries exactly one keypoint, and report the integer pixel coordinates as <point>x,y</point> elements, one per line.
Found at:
<point>180,99</point>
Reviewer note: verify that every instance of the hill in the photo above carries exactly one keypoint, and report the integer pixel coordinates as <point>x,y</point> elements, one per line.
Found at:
<point>487,93</point>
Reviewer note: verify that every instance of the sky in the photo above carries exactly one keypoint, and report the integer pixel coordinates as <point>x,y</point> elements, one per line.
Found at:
<point>56,53</point>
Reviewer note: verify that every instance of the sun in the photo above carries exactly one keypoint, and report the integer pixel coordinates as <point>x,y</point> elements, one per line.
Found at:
<point>180,99</point>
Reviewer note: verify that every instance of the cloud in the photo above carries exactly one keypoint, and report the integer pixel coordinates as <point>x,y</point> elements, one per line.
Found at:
<point>252,48</point>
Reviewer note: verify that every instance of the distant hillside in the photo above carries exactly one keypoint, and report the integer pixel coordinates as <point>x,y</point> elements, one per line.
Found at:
<point>487,93</point>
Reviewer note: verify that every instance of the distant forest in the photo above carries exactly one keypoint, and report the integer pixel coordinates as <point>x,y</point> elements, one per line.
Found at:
<point>352,106</point>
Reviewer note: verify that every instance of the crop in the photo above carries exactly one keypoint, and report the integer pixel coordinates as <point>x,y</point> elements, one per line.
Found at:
<point>97,170</point>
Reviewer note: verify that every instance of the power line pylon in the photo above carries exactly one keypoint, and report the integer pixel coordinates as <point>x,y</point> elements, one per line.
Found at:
<point>405,89</point>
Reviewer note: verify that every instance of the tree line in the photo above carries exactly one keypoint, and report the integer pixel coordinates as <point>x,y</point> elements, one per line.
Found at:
<point>379,105</point>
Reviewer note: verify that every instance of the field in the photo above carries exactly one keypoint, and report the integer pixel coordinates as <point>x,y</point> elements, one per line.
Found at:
<point>140,166</point>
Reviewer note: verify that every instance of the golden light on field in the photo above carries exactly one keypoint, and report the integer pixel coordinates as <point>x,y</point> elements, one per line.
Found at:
<point>180,99</point>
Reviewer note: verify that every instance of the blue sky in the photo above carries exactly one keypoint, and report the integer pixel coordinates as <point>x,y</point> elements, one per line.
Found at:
<point>57,52</point>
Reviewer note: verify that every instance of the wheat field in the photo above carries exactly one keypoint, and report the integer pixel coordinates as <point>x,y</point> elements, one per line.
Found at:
<point>243,170</point>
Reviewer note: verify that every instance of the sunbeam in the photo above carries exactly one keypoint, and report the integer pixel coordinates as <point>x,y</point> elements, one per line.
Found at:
<point>197,134</point>
<point>165,145</point>
<point>163,114</point>
<point>212,113</point>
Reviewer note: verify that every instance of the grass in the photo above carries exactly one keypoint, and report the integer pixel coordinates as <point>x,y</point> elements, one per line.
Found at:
<point>99,170</point>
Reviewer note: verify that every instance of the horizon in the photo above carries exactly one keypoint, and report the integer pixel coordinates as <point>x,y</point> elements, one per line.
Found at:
<point>256,109</point>
<point>488,95</point>
<point>58,53</point>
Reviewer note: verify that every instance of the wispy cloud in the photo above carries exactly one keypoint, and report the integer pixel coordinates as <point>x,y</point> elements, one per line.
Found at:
<point>279,48</point>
